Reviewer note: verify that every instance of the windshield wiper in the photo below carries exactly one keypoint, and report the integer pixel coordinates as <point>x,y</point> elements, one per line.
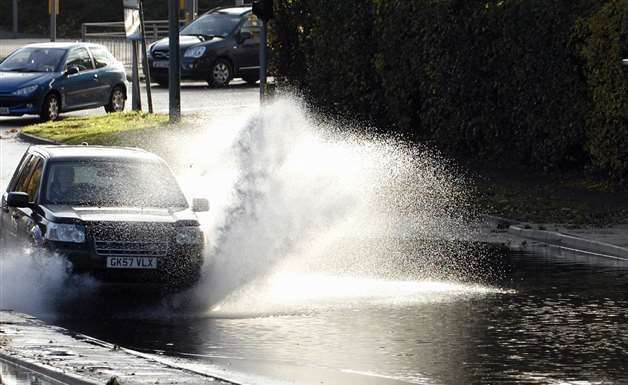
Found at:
<point>202,35</point>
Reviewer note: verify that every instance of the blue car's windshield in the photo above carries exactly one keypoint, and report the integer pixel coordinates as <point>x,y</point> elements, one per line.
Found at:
<point>33,60</point>
<point>213,24</point>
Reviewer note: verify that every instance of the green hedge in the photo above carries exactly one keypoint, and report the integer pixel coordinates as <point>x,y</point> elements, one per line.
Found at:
<point>522,82</point>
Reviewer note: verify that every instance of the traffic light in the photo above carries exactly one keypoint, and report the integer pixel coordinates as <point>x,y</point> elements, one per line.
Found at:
<point>263,9</point>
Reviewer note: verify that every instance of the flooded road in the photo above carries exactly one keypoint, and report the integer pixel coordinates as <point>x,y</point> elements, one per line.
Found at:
<point>551,319</point>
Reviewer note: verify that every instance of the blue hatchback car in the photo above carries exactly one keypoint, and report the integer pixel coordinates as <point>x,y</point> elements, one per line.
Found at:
<point>50,78</point>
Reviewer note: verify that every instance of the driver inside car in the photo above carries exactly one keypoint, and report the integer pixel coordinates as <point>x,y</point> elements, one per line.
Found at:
<point>62,184</point>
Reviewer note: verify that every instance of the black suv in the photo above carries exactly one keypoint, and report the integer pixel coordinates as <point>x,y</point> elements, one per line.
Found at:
<point>220,45</point>
<point>115,213</point>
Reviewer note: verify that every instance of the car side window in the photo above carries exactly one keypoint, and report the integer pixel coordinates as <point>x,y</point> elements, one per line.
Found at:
<point>19,172</point>
<point>102,57</point>
<point>79,58</point>
<point>25,172</point>
<point>32,187</point>
<point>251,25</point>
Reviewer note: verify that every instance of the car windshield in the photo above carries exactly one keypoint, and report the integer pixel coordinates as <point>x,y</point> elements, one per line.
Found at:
<point>33,60</point>
<point>213,24</point>
<point>112,184</point>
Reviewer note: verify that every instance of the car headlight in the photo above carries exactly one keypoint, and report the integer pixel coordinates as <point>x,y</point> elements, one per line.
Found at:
<point>195,51</point>
<point>65,232</point>
<point>25,91</point>
<point>191,235</point>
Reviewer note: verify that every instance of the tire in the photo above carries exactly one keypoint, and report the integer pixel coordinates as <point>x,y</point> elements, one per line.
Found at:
<point>116,100</point>
<point>251,80</point>
<point>51,107</point>
<point>220,74</point>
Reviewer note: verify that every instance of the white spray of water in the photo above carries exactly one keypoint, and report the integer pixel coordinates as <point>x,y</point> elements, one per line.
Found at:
<point>291,195</point>
<point>30,280</point>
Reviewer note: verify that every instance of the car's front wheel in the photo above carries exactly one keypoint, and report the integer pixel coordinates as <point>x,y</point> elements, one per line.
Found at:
<point>221,73</point>
<point>51,108</point>
<point>116,100</point>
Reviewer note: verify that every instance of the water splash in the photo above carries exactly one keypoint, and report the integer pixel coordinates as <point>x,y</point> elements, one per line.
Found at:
<point>35,281</point>
<point>317,197</point>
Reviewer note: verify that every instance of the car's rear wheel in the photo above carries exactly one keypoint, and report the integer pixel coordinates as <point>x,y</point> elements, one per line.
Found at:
<point>250,79</point>
<point>221,73</point>
<point>116,100</point>
<point>51,107</point>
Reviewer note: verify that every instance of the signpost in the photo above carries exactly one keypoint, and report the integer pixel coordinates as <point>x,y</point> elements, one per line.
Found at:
<point>191,10</point>
<point>15,18</point>
<point>53,10</point>
<point>149,95</point>
<point>132,27</point>
<point>174,72</point>
<point>264,10</point>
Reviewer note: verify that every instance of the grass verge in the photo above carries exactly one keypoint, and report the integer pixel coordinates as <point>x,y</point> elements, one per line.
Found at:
<point>109,129</point>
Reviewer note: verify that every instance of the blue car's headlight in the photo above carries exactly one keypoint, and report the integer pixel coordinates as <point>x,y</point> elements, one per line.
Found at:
<point>25,91</point>
<point>65,232</point>
<point>195,52</point>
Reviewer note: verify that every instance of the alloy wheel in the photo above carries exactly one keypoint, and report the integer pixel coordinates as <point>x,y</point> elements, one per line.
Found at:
<point>117,100</point>
<point>53,107</point>
<point>221,73</point>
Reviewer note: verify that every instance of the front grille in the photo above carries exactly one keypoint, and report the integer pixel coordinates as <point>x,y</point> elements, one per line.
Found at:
<point>130,249</point>
<point>161,55</point>
<point>131,239</point>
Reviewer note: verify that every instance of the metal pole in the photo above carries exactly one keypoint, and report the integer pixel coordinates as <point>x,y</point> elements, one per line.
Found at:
<point>149,96</point>
<point>188,11</point>
<point>15,19</point>
<point>136,102</point>
<point>53,21</point>
<point>262,62</point>
<point>174,71</point>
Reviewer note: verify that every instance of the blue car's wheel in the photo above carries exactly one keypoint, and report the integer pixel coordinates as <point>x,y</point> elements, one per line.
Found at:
<point>116,100</point>
<point>51,107</point>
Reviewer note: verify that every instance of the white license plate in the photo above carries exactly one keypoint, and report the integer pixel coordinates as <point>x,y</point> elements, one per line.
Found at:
<point>4,111</point>
<point>161,64</point>
<point>131,263</point>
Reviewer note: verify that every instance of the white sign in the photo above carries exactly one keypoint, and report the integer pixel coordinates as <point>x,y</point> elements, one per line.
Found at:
<point>132,24</point>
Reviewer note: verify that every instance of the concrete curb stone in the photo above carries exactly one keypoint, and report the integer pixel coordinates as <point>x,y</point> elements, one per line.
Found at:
<point>33,139</point>
<point>570,241</point>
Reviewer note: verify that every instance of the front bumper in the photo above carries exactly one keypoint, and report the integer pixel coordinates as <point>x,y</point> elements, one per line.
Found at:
<point>18,106</point>
<point>191,68</point>
<point>179,268</point>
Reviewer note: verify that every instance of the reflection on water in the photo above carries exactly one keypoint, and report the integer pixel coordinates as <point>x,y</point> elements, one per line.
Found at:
<point>559,320</point>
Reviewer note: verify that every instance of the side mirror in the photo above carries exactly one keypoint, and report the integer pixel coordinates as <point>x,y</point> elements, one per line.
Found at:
<point>71,71</point>
<point>18,199</point>
<point>200,205</point>
<point>244,36</point>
